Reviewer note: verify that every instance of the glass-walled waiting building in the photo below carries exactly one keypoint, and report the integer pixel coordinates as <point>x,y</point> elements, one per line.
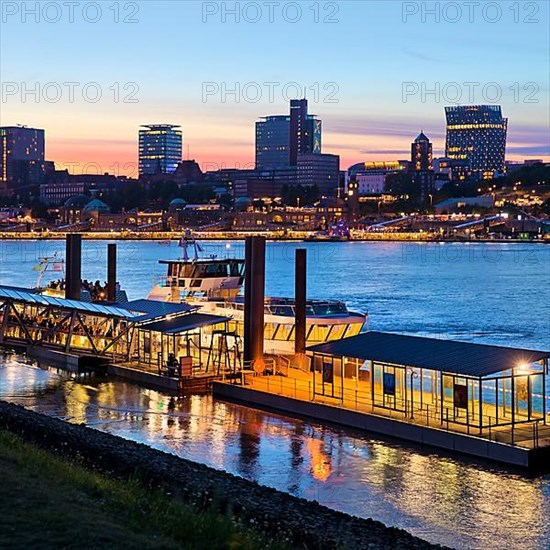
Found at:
<point>160,149</point>
<point>459,386</point>
<point>477,134</point>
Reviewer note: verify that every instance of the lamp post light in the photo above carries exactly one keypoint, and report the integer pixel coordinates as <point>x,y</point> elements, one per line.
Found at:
<point>413,375</point>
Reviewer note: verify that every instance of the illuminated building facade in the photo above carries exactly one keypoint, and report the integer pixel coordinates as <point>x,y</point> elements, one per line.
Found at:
<point>160,149</point>
<point>370,177</point>
<point>21,159</point>
<point>371,182</point>
<point>454,169</point>
<point>421,153</point>
<point>477,134</point>
<point>273,142</point>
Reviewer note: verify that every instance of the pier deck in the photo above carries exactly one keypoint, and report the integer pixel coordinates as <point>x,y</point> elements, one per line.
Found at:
<point>489,401</point>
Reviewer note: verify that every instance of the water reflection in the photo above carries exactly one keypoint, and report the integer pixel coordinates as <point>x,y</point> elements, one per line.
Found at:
<point>458,503</point>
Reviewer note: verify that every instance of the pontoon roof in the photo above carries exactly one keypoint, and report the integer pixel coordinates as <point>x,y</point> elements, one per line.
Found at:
<point>440,355</point>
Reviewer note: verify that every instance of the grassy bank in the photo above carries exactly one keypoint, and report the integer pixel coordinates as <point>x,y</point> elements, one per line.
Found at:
<point>49,502</point>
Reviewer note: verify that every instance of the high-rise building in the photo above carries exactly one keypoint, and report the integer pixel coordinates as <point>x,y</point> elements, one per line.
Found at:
<point>22,164</point>
<point>454,169</point>
<point>477,133</point>
<point>273,142</point>
<point>160,149</point>
<point>305,131</point>
<point>281,138</point>
<point>421,153</point>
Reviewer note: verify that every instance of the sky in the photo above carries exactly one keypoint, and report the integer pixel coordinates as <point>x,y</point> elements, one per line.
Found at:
<point>376,73</point>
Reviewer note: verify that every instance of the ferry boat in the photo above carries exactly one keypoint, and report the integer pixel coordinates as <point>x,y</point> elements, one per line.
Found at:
<point>214,285</point>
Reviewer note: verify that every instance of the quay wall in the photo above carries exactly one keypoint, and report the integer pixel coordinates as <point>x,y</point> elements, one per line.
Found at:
<point>455,442</point>
<point>280,516</point>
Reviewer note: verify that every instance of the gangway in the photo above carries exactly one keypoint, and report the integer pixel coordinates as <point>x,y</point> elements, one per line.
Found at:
<point>389,223</point>
<point>481,223</point>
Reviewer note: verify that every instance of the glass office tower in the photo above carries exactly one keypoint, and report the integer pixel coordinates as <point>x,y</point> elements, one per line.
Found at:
<point>305,131</point>
<point>273,142</point>
<point>477,133</point>
<point>160,149</point>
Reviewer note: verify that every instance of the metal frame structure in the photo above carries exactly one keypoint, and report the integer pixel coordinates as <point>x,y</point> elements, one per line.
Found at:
<point>472,385</point>
<point>65,325</point>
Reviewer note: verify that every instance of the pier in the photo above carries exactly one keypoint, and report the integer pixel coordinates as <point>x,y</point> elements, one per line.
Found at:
<point>487,401</point>
<point>169,346</point>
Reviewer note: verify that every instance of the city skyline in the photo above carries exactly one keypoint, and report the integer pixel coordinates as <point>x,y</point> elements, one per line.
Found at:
<point>372,94</point>
<point>132,166</point>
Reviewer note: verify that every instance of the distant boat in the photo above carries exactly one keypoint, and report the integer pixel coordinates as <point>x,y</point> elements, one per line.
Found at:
<point>51,264</point>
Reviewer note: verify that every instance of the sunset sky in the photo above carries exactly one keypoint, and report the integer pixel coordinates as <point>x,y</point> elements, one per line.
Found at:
<point>167,54</point>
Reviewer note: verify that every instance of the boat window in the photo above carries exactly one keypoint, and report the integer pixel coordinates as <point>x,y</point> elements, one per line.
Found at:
<point>337,332</point>
<point>270,330</point>
<point>282,310</point>
<point>284,332</point>
<point>199,270</point>
<point>319,333</point>
<point>354,329</point>
<point>291,335</point>
<point>235,269</point>
<point>185,270</point>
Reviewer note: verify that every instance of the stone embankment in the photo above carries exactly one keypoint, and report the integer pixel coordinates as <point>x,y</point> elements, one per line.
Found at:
<point>282,517</point>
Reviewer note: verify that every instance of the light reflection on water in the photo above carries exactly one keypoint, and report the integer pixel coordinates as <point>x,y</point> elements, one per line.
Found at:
<point>497,293</point>
<point>459,503</point>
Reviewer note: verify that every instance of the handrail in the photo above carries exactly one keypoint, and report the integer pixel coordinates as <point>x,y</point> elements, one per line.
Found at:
<point>429,415</point>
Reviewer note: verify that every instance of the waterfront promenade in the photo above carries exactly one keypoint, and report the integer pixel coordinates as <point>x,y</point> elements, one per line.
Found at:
<point>281,235</point>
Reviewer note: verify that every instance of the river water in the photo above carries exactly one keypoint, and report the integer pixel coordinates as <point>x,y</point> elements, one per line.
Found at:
<point>492,293</point>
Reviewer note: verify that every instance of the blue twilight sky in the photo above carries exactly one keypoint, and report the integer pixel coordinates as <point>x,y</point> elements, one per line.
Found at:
<point>375,72</point>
